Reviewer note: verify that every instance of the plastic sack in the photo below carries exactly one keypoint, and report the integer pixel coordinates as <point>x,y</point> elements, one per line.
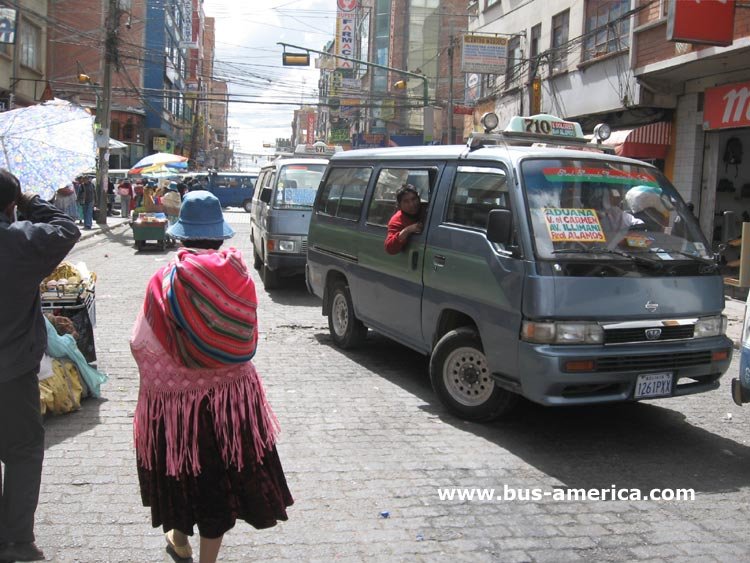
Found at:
<point>62,392</point>
<point>45,368</point>
<point>65,347</point>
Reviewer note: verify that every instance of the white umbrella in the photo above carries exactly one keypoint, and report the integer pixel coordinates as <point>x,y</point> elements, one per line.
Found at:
<point>47,145</point>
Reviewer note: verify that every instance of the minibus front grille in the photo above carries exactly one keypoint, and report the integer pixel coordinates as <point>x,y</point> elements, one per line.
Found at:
<point>625,335</point>
<point>304,246</point>
<point>654,362</point>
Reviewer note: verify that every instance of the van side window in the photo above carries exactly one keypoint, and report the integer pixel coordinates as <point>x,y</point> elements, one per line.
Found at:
<point>343,193</point>
<point>383,203</point>
<point>477,191</point>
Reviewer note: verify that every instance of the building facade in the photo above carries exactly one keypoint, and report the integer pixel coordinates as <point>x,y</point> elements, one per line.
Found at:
<point>76,67</point>
<point>23,59</point>
<point>620,62</point>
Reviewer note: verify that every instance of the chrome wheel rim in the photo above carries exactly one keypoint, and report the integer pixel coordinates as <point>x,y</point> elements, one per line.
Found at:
<point>467,377</point>
<point>340,314</point>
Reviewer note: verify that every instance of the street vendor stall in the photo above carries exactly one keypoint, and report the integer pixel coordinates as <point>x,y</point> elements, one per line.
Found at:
<point>70,292</point>
<point>151,227</point>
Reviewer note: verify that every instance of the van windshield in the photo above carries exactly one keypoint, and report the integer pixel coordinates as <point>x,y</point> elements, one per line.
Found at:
<point>605,210</point>
<point>297,185</point>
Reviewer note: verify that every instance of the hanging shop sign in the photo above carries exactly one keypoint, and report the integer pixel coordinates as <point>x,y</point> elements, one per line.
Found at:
<point>339,135</point>
<point>687,22</point>
<point>727,106</point>
<point>463,110</point>
<point>346,21</point>
<point>484,54</point>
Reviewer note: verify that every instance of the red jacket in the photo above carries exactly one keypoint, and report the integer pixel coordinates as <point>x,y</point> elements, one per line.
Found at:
<point>398,222</point>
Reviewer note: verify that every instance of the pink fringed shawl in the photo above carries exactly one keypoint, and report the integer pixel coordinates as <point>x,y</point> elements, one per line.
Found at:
<point>171,393</point>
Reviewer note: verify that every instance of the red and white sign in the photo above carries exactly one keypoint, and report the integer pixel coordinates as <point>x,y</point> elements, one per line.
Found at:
<point>463,110</point>
<point>310,128</point>
<point>727,106</point>
<point>346,21</point>
<point>701,21</point>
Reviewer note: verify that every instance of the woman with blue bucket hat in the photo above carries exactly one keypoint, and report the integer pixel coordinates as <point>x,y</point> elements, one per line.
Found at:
<point>204,432</point>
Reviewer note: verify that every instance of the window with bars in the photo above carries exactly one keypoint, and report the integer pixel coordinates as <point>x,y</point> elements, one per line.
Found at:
<point>30,37</point>
<point>607,31</point>
<point>513,69</point>
<point>559,55</point>
<point>534,48</point>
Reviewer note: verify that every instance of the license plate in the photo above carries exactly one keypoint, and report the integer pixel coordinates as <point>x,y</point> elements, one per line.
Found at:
<point>653,385</point>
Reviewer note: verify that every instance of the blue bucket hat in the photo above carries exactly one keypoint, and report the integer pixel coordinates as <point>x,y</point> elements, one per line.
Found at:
<point>201,218</point>
<point>172,187</point>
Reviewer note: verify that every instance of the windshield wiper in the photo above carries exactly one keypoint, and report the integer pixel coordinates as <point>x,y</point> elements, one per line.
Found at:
<point>638,259</point>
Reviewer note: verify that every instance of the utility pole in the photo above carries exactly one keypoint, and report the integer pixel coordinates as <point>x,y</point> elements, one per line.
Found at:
<point>196,118</point>
<point>451,134</point>
<point>102,134</point>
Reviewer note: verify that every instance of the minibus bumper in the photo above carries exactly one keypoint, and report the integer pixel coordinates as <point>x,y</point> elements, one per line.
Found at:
<point>287,263</point>
<point>574,375</point>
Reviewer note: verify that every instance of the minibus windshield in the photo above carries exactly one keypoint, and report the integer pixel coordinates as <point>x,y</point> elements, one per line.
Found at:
<point>297,185</point>
<point>607,210</point>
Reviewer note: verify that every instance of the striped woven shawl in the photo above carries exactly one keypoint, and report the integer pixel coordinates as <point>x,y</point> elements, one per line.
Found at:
<point>202,308</point>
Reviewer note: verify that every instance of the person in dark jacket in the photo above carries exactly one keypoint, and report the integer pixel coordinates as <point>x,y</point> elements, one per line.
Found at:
<point>86,197</point>
<point>30,250</point>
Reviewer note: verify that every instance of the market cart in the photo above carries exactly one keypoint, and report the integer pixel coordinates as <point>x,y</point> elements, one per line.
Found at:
<point>71,292</point>
<point>151,227</point>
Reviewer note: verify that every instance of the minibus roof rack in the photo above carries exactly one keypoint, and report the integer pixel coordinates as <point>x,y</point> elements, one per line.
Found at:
<point>538,130</point>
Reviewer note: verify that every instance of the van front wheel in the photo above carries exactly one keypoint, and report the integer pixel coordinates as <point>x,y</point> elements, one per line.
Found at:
<point>346,329</point>
<point>461,378</point>
<point>247,205</point>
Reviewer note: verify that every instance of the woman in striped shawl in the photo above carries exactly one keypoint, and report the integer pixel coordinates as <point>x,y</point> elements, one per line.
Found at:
<point>204,432</point>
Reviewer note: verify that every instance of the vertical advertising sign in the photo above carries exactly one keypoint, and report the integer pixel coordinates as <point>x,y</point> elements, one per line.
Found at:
<point>310,128</point>
<point>346,21</point>
<point>7,25</point>
<point>710,22</point>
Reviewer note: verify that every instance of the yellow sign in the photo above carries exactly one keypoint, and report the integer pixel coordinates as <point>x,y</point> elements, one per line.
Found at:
<point>573,225</point>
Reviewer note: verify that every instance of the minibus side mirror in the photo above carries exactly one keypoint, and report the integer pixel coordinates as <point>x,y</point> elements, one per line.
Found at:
<point>265,195</point>
<point>500,226</point>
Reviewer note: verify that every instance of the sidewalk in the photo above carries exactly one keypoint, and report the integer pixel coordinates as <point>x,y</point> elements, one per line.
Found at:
<point>96,228</point>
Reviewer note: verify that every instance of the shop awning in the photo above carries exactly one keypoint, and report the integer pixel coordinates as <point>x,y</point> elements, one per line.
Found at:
<point>648,141</point>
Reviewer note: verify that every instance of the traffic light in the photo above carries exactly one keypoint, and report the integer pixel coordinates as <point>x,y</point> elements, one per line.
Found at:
<point>295,59</point>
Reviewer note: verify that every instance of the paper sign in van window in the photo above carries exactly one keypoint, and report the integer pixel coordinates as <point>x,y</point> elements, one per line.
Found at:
<point>601,175</point>
<point>573,225</point>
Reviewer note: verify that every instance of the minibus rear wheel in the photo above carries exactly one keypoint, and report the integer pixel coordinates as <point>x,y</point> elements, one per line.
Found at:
<point>346,329</point>
<point>462,380</point>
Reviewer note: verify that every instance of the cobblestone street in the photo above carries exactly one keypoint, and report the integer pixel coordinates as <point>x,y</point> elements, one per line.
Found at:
<point>364,437</point>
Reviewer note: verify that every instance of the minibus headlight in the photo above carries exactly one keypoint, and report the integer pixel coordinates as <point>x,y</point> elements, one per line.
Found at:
<point>562,332</point>
<point>710,326</point>
<point>286,246</point>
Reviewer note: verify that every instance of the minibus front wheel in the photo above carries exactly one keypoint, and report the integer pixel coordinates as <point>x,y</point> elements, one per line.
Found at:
<point>462,379</point>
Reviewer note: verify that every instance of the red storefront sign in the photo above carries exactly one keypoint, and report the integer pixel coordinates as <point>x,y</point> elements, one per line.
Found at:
<point>310,128</point>
<point>727,106</point>
<point>701,21</point>
<point>463,110</point>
